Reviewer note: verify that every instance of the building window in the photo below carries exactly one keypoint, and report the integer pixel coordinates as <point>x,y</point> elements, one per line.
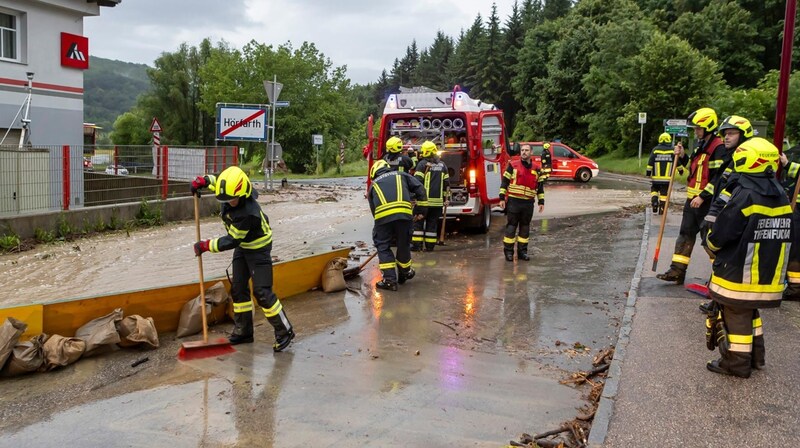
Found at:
<point>9,36</point>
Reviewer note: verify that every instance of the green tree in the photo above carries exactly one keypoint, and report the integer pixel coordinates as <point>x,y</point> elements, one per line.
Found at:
<point>132,128</point>
<point>491,72</point>
<point>433,61</point>
<point>723,31</point>
<point>554,9</point>
<point>465,66</point>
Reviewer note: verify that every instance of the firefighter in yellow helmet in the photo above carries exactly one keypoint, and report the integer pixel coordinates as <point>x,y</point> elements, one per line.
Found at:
<point>250,237</point>
<point>390,196</point>
<point>432,172</point>
<point>751,237</point>
<point>704,166</point>
<point>547,162</point>
<point>394,156</point>
<point>659,170</point>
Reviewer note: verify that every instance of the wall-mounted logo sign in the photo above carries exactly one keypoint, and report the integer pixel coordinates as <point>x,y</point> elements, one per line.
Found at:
<point>74,51</point>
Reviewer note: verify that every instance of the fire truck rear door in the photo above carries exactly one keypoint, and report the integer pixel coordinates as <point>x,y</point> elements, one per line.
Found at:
<point>491,137</point>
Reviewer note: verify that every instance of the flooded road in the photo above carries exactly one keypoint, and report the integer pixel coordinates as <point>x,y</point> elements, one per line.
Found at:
<point>468,353</point>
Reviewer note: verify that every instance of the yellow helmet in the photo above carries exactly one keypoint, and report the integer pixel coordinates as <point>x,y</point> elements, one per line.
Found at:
<point>394,144</point>
<point>736,122</point>
<point>755,156</point>
<point>546,146</point>
<point>664,138</point>
<point>377,166</point>
<point>704,118</point>
<point>428,148</point>
<point>232,183</point>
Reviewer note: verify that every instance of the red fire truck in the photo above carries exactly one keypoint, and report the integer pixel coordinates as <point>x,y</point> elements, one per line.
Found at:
<point>471,137</point>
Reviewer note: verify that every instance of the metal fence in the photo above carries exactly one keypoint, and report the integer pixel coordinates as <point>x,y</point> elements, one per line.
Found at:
<point>47,178</point>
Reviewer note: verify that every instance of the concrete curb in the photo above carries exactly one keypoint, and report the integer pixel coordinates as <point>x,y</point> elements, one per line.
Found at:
<point>605,408</point>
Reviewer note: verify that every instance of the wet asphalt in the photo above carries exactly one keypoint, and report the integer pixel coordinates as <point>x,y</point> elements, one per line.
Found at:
<point>468,353</point>
<point>665,396</point>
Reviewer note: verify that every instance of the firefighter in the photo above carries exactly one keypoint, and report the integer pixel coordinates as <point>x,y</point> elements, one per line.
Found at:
<point>394,156</point>
<point>703,163</point>
<point>659,170</point>
<point>250,237</point>
<point>432,172</point>
<point>790,176</point>
<point>547,162</point>
<point>751,237</point>
<point>734,130</point>
<point>519,189</point>
<point>390,197</point>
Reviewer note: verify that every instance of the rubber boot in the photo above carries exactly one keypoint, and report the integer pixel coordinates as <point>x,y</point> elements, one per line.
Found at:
<point>673,275</point>
<point>735,364</point>
<point>405,276</point>
<point>387,285</point>
<point>522,252</point>
<point>242,328</point>
<point>508,251</point>
<point>661,206</point>
<point>705,307</point>
<point>654,204</point>
<point>284,333</point>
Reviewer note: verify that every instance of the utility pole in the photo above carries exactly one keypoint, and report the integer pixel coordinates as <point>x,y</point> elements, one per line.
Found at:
<point>26,119</point>
<point>273,89</point>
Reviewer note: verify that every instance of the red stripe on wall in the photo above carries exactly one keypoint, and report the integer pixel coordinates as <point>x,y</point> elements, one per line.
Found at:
<point>40,85</point>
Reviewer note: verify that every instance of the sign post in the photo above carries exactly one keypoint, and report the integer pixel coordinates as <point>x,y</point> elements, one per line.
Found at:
<point>642,121</point>
<point>316,140</point>
<point>155,128</point>
<point>341,157</point>
<point>273,89</point>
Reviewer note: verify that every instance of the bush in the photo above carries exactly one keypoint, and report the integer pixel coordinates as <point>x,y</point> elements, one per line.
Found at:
<point>44,236</point>
<point>9,242</point>
<point>149,215</point>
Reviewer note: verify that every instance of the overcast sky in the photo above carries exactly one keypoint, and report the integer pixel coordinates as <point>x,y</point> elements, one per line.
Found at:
<point>364,35</point>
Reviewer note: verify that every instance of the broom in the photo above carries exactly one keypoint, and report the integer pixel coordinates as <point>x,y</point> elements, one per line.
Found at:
<point>205,348</point>
<point>664,215</point>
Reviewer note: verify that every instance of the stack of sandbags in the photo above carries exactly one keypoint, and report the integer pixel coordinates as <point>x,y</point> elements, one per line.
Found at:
<point>191,321</point>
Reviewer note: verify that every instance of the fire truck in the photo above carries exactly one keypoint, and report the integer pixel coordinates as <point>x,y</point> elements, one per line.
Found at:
<point>471,138</point>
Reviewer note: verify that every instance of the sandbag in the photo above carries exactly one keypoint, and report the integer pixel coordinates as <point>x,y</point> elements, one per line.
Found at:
<point>191,321</point>
<point>333,275</point>
<point>100,334</point>
<point>60,351</point>
<point>134,330</point>
<point>26,357</point>
<point>10,332</point>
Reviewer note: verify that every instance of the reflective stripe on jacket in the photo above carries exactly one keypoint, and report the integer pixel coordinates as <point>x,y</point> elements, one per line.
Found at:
<point>751,237</point>
<point>247,226</point>
<point>521,181</point>
<point>433,175</point>
<point>705,162</point>
<point>659,167</point>
<point>390,196</point>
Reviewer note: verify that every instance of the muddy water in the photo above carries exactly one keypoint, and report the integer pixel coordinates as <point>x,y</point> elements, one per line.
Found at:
<point>468,353</point>
<point>305,219</point>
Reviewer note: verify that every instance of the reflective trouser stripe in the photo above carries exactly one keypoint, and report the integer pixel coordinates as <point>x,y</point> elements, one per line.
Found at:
<point>507,240</point>
<point>274,310</point>
<point>522,240</point>
<point>740,342</point>
<point>389,265</point>
<point>794,277</point>
<point>683,259</point>
<point>404,265</point>
<point>757,328</point>
<point>242,307</point>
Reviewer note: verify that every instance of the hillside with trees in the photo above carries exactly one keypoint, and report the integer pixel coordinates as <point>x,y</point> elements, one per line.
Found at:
<point>575,71</point>
<point>111,89</point>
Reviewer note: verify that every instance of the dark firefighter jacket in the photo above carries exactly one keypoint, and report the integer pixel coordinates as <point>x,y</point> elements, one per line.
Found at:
<point>521,181</point>
<point>391,193</point>
<point>751,238</point>
<point>399,162</point>
<point>704,164</point>
<point>659,167</point>
<point>247,226</point>
<point>432,172</point>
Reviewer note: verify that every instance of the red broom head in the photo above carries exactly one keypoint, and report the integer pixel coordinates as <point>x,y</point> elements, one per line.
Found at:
<point>199,349</point>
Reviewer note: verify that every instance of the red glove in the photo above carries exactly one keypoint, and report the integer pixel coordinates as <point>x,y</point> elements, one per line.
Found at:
<point>200,247</point>
<point>200,182</point>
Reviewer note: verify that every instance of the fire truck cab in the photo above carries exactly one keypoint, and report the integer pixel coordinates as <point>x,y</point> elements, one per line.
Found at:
<point>471,139</point>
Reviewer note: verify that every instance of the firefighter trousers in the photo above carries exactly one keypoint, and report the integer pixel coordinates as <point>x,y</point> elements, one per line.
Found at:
<point>658,196</point>
<point>382,236</point>
<point>255,265</point>
<point>792,291</point>
<point>426,231</point>
<point>518,215</point>
<point>690,226</point>
<point>745,340</point>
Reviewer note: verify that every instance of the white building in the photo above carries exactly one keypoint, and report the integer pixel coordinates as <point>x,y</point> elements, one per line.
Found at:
<point>43,39</point>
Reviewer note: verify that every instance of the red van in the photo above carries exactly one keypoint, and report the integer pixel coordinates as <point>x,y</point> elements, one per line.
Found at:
<point>566,162</point>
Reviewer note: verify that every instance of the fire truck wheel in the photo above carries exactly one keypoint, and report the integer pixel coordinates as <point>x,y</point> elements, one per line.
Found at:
<point>583,175</point>
<point>485,219</point>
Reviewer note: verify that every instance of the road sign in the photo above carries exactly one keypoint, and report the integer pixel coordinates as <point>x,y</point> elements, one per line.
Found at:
<point>242,122</point>
<point>675,126</point>
<point>281,104</point>
<point>316,139</point>
<point>642,117</point>
<point>277,152</point>
<point>273,90</point>
<point>155,126</point>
